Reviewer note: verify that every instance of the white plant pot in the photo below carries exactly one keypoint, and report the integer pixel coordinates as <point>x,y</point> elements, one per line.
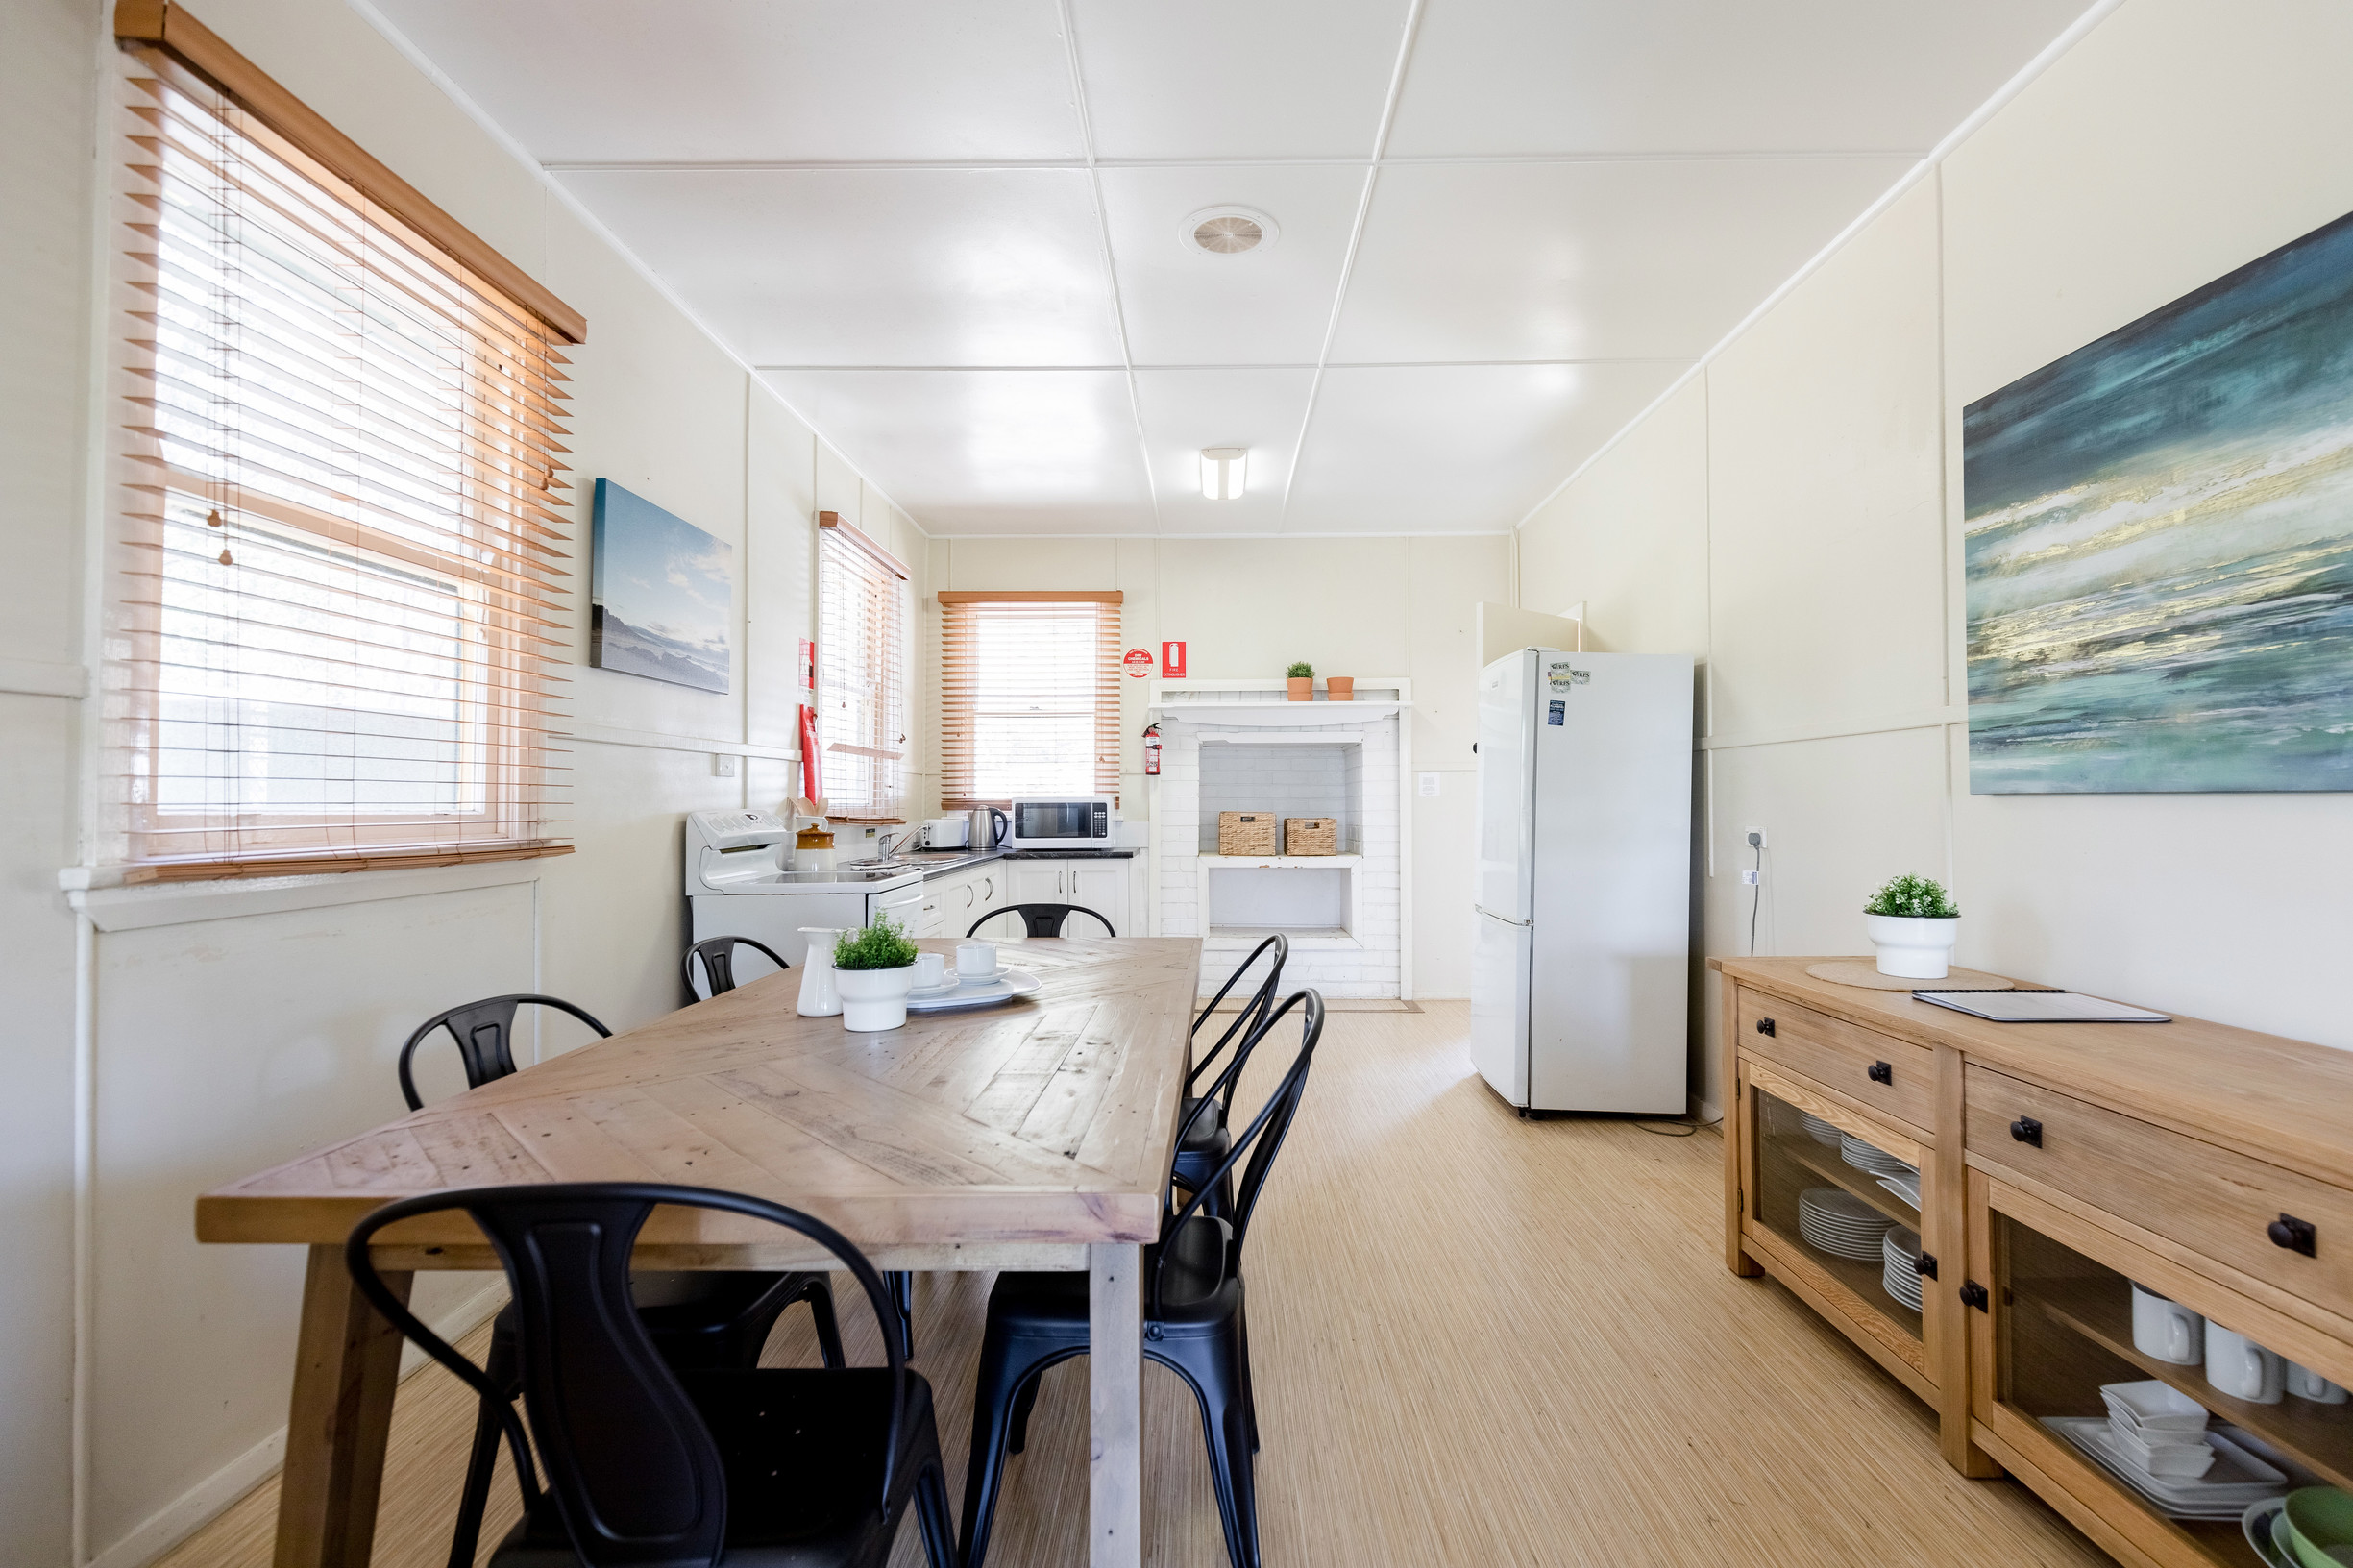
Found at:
<point>874,1000</point>
<point>1910,948</point>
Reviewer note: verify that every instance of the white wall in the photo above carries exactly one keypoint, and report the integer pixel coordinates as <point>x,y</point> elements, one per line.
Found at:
<point>232,1025</point>
<point>1792,515</point>
<point>1248,607</point>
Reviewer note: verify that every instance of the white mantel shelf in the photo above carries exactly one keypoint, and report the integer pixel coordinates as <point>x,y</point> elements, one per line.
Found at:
<point>1278,863</point>
<point>1278,715</point>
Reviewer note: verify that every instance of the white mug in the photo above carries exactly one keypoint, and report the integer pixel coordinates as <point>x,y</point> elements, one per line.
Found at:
<point>2305,1384</point>
<point>976,960</point>
<point>2241,1368</point>
<point>930,971</point>
<point>2165,1328</point>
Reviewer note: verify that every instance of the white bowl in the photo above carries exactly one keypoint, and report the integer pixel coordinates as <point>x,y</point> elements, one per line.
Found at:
<point>2174,1460</point>
<point>2152,1405</point>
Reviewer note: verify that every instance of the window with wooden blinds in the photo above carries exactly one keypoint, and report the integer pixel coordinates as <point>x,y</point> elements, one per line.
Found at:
<point>334,635</point>
<point>861,674</point>
<point>1029,697</point>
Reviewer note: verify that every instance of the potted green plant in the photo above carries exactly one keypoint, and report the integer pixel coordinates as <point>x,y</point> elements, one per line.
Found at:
<point>1302,679</point>
<point>874,971</point>
<point>1913,924</point>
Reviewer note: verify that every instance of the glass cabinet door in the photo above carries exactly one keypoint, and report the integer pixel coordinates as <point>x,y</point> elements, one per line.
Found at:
<point>2182,1417</point>
<point>1846,1208</point>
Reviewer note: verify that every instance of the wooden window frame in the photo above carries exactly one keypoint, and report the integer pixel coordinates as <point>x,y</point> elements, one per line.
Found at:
<point>955,793</point>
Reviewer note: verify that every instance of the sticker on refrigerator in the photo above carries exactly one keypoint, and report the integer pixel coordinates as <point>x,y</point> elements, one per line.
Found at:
<point>1557,712</point>
<point>1560,678</point>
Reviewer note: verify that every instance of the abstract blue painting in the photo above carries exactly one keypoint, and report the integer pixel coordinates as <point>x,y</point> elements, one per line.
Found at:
<point>2160,546</point>
<point>662,594</point>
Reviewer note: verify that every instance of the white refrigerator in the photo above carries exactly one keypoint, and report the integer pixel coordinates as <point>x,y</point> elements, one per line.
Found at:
<point>1581,971</point>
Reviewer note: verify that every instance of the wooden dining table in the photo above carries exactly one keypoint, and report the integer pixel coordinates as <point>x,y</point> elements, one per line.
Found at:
<point>1037,1134</point>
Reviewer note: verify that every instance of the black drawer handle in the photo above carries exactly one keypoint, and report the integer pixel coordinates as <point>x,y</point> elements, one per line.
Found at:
<point>2027,1130</point>
<point>1925,1266</point>
<point>1973,1295</point>
<point>1882,1073</point>
<point>2296,1234</point>
<point>1764,1027</point>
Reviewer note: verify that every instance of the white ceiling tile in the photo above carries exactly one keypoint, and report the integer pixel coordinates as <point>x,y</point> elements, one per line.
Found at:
<point>985,451</point>
<point>756,79</point>
<point>1238,78</point>
<point>1541,75</point>
<point>1185,410</point>
<point>1455,448</point>
<point>1629,260</point>
<point>1266,306</point>
<point>874,266</point>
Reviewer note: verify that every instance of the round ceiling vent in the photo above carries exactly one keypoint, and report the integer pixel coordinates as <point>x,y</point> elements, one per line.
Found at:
<point>1229,232</point>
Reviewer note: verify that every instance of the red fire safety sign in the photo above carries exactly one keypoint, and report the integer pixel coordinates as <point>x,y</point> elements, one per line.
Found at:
<point>1172,660</point>
<point>1139,662</point>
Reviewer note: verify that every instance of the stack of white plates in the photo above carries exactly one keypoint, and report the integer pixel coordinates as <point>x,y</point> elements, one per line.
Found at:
<point>1878,1162</point>
<point>1841,1224</point>
<point>1901,1277</point>
<point>1824,1133</point>
<point>2236,1480</point>
<point>1904,1188</point>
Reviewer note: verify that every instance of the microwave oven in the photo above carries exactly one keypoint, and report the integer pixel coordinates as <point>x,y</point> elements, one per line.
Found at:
<point>1061,825</point>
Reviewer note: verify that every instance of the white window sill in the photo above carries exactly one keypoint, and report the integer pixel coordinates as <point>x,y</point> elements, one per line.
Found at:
<point>178,903</point>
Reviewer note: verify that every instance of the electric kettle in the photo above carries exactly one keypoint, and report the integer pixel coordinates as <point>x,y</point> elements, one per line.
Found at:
<point>989,827</point>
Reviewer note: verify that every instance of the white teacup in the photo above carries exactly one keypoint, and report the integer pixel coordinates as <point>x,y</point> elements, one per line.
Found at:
<point>2241,1368</point>
<point>930,971</point>
<point>2165,1328</point>
<point>2305,1384</point>
<point>976,960</point>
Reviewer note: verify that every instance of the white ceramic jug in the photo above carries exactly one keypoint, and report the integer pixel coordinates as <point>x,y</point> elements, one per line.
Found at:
<point>819,996</point>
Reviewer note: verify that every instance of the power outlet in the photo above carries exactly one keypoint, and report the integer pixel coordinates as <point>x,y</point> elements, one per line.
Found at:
<point>1757,833</point>
<point>723,765</point>
<point>1747,879</point>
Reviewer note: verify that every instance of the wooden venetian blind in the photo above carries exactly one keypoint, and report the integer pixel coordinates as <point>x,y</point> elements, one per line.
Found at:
<point>333,635</point>
<point>861,674</point>
<point>1029,697</point>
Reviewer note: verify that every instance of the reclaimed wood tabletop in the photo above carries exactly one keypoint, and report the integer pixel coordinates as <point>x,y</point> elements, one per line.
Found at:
<point>1035,1135</point>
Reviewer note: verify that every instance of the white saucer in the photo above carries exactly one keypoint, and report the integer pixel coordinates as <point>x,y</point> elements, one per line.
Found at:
<point>1009,983</point>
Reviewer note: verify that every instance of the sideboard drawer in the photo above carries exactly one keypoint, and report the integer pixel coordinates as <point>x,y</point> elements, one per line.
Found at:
<point>2216,1202</point>
<point>1876,1069</point>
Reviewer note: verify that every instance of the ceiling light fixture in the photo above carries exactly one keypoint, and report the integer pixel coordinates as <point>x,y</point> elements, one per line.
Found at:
<point>1223,470</point>
<point>1228,231</point>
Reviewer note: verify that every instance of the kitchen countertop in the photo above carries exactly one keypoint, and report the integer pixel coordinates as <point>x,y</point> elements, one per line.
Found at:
<point>936,863</point>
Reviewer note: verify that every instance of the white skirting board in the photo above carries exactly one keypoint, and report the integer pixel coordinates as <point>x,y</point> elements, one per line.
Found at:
<point>203,1502</point>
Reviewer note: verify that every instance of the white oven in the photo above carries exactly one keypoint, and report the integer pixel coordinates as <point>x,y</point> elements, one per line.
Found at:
<point>1062,825</point>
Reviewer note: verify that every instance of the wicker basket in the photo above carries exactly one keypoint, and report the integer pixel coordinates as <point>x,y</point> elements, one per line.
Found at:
<point>1310,836</point>
<point>1246,833</point>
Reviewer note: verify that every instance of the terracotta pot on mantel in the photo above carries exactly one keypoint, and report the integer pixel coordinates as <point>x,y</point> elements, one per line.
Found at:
<point>1303,688</point>
<point>1340,688</point>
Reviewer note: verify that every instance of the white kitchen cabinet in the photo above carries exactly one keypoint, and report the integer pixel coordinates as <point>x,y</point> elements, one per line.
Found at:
<point>1104,886</point>
<point>1100,885</point>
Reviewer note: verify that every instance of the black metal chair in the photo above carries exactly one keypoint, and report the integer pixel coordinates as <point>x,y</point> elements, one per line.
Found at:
<point>1202,1140</point>
<point>485,1033</point>
<point>1042,919</point>
<point>1193,1325</point>
<point>652,1466</point>
<point>718,955</point>
<point>726,1325</point>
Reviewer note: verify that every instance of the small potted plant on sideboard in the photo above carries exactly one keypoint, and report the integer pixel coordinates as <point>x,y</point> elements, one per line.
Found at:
<point>874,971</point>
<point>1300,677</point>
<point>1913,924</point>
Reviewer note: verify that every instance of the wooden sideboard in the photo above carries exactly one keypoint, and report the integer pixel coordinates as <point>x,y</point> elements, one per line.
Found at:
<point>2057,1164</point>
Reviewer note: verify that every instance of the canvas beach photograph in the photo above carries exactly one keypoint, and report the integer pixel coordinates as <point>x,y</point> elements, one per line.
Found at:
<point>2159,545</point>
<point>661,596</point>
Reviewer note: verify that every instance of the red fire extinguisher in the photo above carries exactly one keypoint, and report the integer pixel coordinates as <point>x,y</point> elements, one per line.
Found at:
<point>1151,751</point>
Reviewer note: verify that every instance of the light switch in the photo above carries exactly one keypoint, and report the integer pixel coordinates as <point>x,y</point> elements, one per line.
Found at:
<point>1430,783</point>
<point>723,765</point>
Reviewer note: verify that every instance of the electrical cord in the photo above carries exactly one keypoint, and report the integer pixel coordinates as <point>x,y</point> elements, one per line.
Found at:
<point>1756,888</point>
<point>1676,1129</point>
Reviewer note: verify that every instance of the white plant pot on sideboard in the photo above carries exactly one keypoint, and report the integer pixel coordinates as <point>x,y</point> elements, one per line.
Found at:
<point>1912,949</point>
<point>874,1000</point>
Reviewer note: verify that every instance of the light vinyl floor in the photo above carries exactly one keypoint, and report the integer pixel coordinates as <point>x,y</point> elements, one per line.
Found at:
<point>1478,1341</point>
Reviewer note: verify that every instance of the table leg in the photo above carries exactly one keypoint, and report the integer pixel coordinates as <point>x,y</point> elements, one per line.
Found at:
<point>1114,1323</point>
<point>346,1366</point>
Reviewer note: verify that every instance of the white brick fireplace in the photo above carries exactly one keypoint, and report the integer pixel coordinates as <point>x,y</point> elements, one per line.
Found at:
<point>1242,746</point>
